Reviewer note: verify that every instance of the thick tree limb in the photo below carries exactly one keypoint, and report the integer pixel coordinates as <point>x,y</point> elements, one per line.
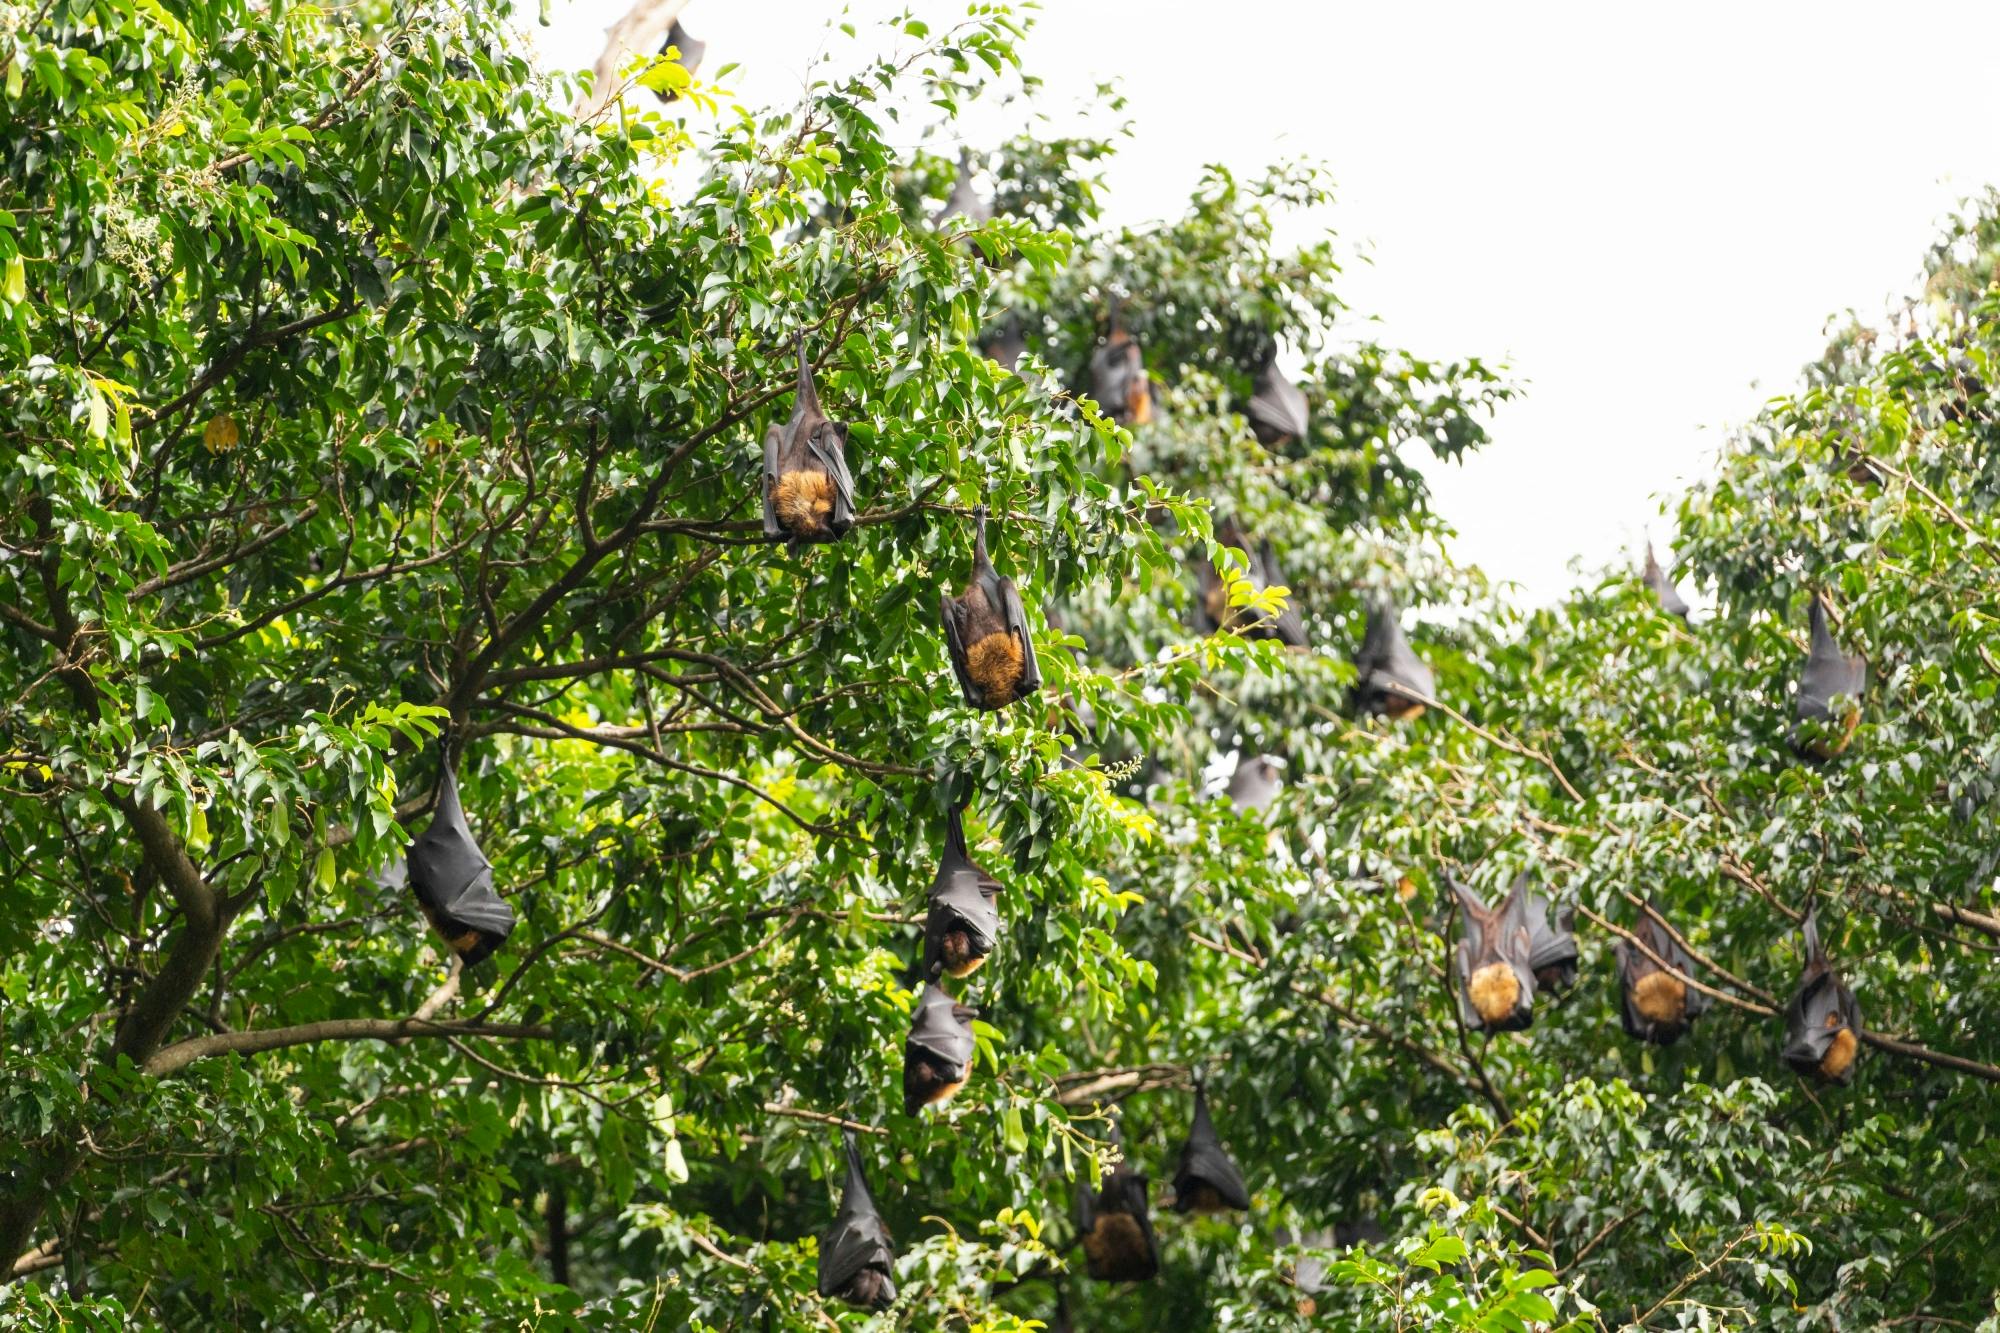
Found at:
<point>173,1059</point>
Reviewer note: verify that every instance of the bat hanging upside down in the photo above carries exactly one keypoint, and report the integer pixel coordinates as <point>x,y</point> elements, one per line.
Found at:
<point>453,882</point>
<point>937,1055</point>
<point>856,1255</point>
<point>986,633</point>
<point>808,492</point>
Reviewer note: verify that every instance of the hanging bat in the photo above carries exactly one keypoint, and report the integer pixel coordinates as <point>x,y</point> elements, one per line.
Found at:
<point>808,492</point>
<point>856,1256</point>
<point>1663,587</point>
<point>1277,410</point>
<point>986,632</point>
<point>691,51</point>
<point>1551,941</point>
<point>1207,1181</point>
<point>1496,976</point>
<point>1823,1020</point>
<point>1117,1229</point>
<point>962,924</point>
<point>1261,569</point>
<point>1830,675</point>
<point>1256,782</point>
<point>453,881</point>
<point>937,1055</point>
<point>1118,379</point>
<point>1655,1005</point>
<point>1387,673</point>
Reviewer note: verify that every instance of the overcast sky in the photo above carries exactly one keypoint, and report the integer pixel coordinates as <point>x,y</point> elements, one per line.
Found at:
<point>1649,213</point>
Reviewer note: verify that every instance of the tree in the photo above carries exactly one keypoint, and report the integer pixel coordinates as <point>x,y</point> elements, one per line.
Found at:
<point>372,416</point>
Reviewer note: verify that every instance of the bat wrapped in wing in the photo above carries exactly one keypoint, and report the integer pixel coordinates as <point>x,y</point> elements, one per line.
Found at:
<point>1116,1225</point>
<point>1261,569</point>
<point>1662,587</point>
<point>1256,782</point>
<point>1118,379</point>
<point>1496,975</point>
<point>1655,1005</point>
<point>986,633</point>
<point>1551,941</point>
<point>453,881</point>
<point>856,1257</point>
<point>1831,679</point>
<point>937,1055</point>
<point>1207,1180</point>
<point>1277,410</point>
<point>1823,1021</point>
<point>962,925</point>
<point>1390,679</point>
<point>808,491</point>
<point>691,51</point>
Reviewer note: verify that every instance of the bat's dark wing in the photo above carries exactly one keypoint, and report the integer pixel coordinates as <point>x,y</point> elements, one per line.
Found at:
<point>452,878</point>
<point>1663,587</point>
<point>1807,1036</point>
<point>961,897</point>
<point>1207,582</point>
<point>1205,1162</point>
<point>1386,660</point>
<point>1016,616</point>
<point>1551,942</point>
<point>858,1239</point>
<point>939,1027</point>
<point>956,633</point>
<point>1256,783</point>
<point>1829,672</point>
<point>773,439</point>
<point>1636,1025</point>
<point>1277,411</point>
<point>828,447</point>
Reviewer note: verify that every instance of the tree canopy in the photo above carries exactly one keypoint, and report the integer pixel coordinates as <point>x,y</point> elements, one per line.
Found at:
<point>372,419</point>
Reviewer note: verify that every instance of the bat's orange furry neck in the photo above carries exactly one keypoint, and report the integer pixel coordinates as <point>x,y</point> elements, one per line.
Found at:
<point>994,663</point>
<point>959,959</point>
<point>1494,989</point>
<point>1839,1057</point>
<point>804,501</point>
<point>1659,997</point>
<point>1115,1243</point>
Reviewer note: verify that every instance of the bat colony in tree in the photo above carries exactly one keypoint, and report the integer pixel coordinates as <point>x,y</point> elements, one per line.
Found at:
<point>1505,954</point>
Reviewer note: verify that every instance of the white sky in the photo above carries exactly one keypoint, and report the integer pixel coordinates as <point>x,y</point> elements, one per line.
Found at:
<point>1647,212</point>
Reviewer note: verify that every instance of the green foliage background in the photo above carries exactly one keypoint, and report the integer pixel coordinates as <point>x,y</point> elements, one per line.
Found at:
<point>355,391</point>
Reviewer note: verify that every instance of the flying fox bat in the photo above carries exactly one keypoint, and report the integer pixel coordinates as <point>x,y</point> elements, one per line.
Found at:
<point>1261,569</point>
<point>1386,671</point>
<point>1551,942</point>
<point>962,925</point>
<point>1277,410</point>
<point>1256,782</point>
<point>1829,674</point>
<point>1207,1181</point>
<point>1655,1005</point>
<point>691,50</point>
<point>1117,1229</point>
<point>937,1055</point>
<point>1663,587</point>
<point>986,631</point>
<point>1118,379</point>
<point>856,1255</point>
<point>453,880</point>
<point>1823,1020</point>
<point>1496,976</point>
<point>808,492</point>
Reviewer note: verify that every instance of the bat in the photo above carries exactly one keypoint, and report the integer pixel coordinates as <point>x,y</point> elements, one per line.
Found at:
<point>1823,1020</point>
<point>937,1055</point>
<point>1386,671</point>
<point>962,924</point>
<point>1256,782</point>
<point>453,881</point>
<point>986,632</point>
<point>1207,1181</point>
<point>1496,977</point>
<point>1829,675</point>
<point>1663,587</point>
<point>1655,1005</point>
<point>856,1255</point>
<point>1261,568</point>
<point>691,50</point>
<point>1551,941</point>
<point>1118,379</point>
<point>808,492</point>
<point>1117,1229</point>
<point>1277,410</point>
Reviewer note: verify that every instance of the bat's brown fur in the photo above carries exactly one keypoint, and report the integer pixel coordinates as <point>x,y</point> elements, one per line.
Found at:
<point>995,665</point>
<point>928,1082</point>
<point>1397,706</point>
<point>1828,747</point>
<point>1660,997</point>
<point>1207,1199</point>
<point>1139,402</point>
<point>867,1290</point>
<point>959,960</point>
<point>1839,1057</point>
<point>1115,1243</point>
<point>1494,990</point>
<point>804,501</point>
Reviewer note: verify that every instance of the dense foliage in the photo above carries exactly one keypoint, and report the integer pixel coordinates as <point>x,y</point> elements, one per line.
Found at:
<point>359,397</point>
